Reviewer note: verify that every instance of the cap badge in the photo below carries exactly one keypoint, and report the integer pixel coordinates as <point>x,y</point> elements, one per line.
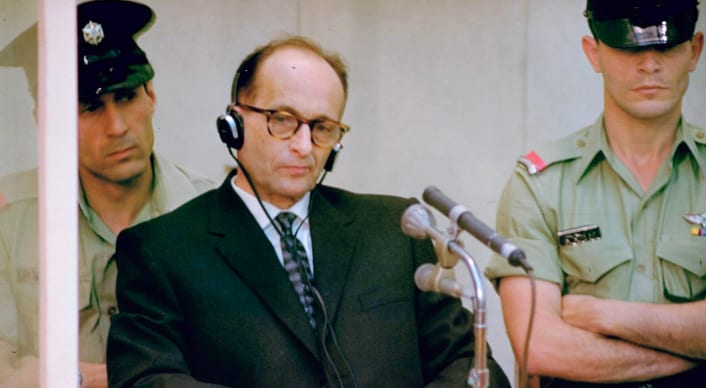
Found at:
<point>93,33</point>
<point>656,34</point>
<point>699,220</point>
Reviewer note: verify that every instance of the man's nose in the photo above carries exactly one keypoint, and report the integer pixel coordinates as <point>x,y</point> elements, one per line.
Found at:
<point>115,124</point>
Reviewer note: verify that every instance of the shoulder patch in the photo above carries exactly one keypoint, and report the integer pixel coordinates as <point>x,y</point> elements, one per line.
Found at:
<point>570,147</point>
<point>3,201</point>
<point>533,162</point>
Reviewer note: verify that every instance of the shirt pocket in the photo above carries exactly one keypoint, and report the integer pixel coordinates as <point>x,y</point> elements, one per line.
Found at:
<point>597,267</point>
<point>683,265</point>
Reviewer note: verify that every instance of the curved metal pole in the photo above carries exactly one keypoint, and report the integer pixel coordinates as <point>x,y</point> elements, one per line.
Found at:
<point>478,376</point>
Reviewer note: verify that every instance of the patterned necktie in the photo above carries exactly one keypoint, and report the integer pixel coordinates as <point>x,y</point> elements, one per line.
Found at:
<point>297,264</point>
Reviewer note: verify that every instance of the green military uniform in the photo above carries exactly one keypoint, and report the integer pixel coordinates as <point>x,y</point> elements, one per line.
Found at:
<point>19,266</point>
<point>585,224</point>
<point>646,251</point>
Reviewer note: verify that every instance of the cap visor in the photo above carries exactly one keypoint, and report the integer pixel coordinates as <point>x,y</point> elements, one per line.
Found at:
<point>624,33</point>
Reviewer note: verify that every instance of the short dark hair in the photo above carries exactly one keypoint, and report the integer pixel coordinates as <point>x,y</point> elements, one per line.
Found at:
<point>244,76</point>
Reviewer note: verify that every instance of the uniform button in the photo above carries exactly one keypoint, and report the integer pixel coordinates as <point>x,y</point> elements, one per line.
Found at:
<point>640,268</point>
<point>112,310</point>
<point>700,135</point>
<point>580,143</point>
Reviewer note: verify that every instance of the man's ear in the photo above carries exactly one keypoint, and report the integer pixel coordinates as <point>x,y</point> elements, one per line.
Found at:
<point>697,45</point>
<point>590,49</point>
<point>149,88</point>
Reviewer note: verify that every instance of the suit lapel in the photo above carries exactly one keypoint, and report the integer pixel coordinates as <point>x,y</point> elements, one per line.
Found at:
<point>334,240</point>
<point>248,251</point>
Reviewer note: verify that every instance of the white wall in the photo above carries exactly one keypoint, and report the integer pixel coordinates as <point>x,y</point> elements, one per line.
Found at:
<point>446,92</point>
<point>18,129</point>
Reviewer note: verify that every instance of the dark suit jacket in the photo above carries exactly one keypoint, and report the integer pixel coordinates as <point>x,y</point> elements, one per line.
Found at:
<point>204,299</point>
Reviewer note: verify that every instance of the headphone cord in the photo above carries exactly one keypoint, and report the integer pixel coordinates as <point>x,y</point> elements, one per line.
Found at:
<point>259,200</point>
<point>315,291</point>
<point>257,196</point>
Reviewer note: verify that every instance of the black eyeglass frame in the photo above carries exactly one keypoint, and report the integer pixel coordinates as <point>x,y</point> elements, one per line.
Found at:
<point>311,123</point>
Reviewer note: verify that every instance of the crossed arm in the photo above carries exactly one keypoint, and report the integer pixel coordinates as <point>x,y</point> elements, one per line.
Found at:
<point>585,339</point>
<point>675,328</point>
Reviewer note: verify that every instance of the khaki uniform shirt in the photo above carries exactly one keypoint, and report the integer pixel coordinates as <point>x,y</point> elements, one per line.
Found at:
<point>19,264</point>
<point>646,251</point>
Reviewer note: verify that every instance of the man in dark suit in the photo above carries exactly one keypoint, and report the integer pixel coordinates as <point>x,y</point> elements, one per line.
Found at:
<point>222,292</point>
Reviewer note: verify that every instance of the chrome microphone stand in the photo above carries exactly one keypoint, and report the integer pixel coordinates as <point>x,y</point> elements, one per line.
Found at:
<point>419,223</point>
<point>479,376</point>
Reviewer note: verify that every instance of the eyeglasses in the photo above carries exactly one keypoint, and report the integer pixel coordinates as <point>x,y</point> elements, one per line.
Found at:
<point>283,125</point>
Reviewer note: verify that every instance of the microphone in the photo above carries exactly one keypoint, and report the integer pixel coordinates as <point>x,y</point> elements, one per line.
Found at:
<point>429,277</point>
<point>468,222</point>
<point>418,222</point>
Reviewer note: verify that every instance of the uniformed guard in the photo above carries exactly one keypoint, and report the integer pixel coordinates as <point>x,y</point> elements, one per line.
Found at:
<point>606,217</point>
<point>122,182</point>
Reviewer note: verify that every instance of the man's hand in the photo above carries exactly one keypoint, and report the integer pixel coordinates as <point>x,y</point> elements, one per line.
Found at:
<point>607,360</point>
<point>677,328</point>
<point>94,375</point>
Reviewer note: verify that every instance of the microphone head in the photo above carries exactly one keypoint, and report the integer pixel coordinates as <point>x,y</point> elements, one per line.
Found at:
<point>430,190</point>
<point>424,277</point>
<point>438,200</point>
<point>416,220</point>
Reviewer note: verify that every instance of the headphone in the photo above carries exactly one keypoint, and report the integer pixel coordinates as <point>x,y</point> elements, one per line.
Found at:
<point>230,125</point>
<point>231,131</point>
<point>230,128</point>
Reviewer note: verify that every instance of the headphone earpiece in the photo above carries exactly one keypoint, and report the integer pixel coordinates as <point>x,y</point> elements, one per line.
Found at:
<point>230,128</point>
<point>328,166</point>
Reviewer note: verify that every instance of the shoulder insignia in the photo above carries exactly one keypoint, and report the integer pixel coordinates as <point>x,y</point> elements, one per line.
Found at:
<point>696,132</point>
<point>567,148</point>
<point>3,201</point>
<point>533,162</point>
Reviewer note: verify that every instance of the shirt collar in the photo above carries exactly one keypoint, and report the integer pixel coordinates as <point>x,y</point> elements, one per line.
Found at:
<point>693,137</point>
<point>300,208</point>
<point>597,147</point>
<point>170,190</point>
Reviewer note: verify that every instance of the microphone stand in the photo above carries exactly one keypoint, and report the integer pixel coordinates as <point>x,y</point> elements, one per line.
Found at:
<point>478,376</point>
<point>418,222</point>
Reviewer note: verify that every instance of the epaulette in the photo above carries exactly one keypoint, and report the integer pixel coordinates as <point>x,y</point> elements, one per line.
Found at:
<point>697,133</point>
<point>18,186</point>
<point>533,162</point>
<point>566,148</point>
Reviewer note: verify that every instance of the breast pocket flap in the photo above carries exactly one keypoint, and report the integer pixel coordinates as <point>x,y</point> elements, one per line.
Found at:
<point>592,260</point>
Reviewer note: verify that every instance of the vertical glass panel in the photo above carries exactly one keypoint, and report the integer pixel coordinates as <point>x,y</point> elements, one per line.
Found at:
<point>19,280</point>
